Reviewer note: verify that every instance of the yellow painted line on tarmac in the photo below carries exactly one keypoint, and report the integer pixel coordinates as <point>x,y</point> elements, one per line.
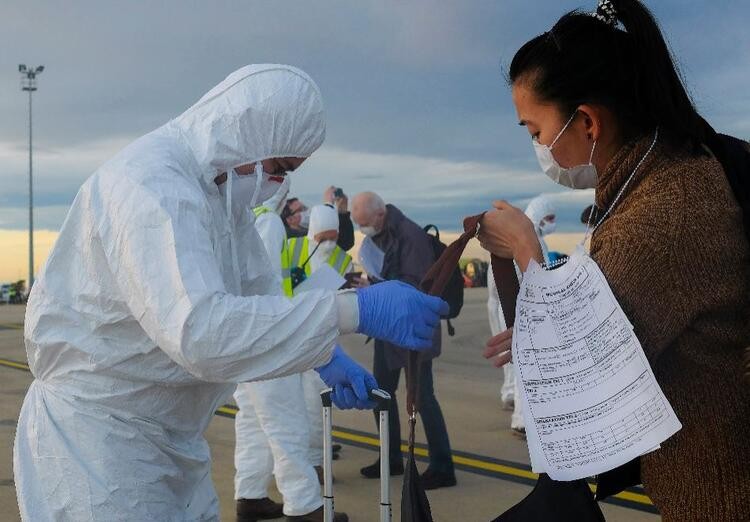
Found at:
<point>227,411</point>
<point>14,364</point>
<point>11,326</point>
<point>469,462</point>
<point>483,465</point>
<point>465,461</point>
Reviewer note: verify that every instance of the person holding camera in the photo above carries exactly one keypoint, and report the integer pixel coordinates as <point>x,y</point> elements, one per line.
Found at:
<point>296,216</point>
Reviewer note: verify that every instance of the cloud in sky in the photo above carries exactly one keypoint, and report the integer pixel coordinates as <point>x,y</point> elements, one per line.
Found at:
<point>416,101</point>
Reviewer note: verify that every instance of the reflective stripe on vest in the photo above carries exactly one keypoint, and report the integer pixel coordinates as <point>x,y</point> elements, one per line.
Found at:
<point>285,275</point>
<point>340,260</point>
<point>297,253</point>
<point>259,211</point>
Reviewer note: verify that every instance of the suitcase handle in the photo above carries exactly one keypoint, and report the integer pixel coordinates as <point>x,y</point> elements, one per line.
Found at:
<point>382,401</point>
<point>381,398</point>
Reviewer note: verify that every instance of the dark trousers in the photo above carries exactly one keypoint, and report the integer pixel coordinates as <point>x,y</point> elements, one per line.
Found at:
<point>429,411</point>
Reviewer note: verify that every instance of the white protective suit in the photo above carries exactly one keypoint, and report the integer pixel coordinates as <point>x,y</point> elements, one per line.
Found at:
<point>322,219</point>
<point>153,303</point>
<point>271,427</point>
<point>538,208</point>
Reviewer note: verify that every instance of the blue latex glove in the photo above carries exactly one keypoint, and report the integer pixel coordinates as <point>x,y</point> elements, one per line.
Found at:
<point>350,382</point>
<point>400,314</point>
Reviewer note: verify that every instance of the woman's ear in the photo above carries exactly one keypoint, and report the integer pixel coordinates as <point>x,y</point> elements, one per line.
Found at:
<point>592,121</point>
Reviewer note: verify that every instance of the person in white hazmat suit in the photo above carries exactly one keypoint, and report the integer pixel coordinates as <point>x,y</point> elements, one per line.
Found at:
<point>272,424</point>
<point>322,235</point>
<point>158,297</point>
<point>541,212</point>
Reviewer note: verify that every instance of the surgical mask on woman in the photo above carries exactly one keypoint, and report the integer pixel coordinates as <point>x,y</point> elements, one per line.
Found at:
<point>580,177</point>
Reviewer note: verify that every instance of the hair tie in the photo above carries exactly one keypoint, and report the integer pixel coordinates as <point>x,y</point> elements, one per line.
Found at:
<point>606,12</point>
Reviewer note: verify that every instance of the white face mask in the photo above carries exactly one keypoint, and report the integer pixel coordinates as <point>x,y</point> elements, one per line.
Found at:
<point>304,218</point>
<point>247,190</point>
<point>368,231</point>
<point>326,247</point>
<point>547,227</point>
<point>580,177</point>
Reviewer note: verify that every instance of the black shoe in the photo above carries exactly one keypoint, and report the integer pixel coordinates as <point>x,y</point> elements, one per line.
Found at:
<point>336,449</point>
<point>254,509</point>
<point>317,516</point>
<point>373,470</point>
<point>437,479</point>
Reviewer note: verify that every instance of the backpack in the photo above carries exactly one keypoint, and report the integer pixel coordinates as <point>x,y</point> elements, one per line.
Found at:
<point>454,290</point>
<point>734,156</point>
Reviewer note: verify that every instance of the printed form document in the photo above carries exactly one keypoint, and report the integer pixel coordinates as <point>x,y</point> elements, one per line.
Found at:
<point>590,398</point>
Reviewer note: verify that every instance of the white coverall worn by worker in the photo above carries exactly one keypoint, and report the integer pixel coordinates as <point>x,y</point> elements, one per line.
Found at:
<point>323,218</point>
<point>538,209</point>
<point>158,297</point>
<point>271,427</point>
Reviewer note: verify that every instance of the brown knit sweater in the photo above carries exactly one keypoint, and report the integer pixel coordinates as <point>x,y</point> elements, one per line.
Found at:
<point>675,254</point>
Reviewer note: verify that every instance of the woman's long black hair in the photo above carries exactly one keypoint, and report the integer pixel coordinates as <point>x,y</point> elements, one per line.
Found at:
<point>622,63</point>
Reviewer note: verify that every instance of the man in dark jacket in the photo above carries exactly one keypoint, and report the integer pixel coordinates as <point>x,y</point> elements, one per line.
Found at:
<point>407,255</point>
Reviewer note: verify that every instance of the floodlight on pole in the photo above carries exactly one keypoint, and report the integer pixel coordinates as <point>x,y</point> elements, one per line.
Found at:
<point>28,83</point>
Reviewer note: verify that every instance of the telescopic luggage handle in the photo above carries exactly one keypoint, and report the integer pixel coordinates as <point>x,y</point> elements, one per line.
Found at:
<point>325,397</point>
<point>382,404</point>
<point>382,401</point>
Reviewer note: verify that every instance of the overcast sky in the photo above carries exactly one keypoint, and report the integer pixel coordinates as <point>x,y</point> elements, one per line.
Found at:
<point>417,105</point>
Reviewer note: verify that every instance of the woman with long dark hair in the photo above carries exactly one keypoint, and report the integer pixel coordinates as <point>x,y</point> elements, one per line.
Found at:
<point>606,109</point>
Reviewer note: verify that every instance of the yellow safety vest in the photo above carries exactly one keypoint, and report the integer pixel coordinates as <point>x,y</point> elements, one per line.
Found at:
<point>297,253</point>
<point>285,274</point>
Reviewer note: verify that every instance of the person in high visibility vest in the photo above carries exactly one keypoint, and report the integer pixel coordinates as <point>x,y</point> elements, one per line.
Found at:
<point>269,445</point>
<point>306,254</point>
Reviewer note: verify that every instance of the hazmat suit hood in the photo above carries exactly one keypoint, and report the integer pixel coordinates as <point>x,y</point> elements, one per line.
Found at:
<point>538,208</point>
<point>322,219</point>
<point>258,112</point>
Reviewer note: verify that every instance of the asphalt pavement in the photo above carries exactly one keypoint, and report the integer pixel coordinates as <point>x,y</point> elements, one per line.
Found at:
<point>493,463</point>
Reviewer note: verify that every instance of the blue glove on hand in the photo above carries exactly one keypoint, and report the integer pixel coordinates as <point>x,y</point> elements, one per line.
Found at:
<point>350,382</point>
<point>400,314</point>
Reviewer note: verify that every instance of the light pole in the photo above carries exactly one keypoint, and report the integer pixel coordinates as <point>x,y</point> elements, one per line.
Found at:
<point>28,83</point>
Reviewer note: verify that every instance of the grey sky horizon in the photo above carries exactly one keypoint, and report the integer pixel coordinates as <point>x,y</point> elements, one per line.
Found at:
<point>417,104</point>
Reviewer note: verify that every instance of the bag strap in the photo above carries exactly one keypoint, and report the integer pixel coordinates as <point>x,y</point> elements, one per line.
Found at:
<point>429,227</point>
<point>434,283</point>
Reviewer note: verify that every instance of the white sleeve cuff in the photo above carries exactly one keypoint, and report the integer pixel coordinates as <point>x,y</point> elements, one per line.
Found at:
<point>348,308</point>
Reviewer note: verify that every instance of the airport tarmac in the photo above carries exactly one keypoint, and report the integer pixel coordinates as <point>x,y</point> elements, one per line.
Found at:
<point>493,464</point>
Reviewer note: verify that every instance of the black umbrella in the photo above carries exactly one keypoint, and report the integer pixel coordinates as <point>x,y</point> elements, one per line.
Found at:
<point>415,507</point>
